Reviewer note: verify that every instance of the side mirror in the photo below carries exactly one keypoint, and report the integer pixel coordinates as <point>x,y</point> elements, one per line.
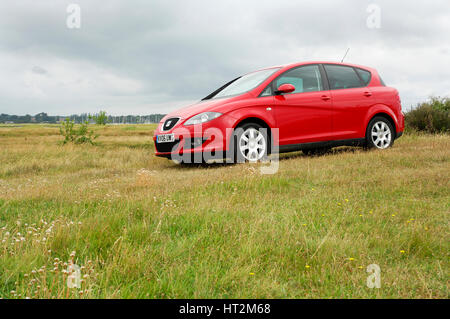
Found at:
<point>285,88</point>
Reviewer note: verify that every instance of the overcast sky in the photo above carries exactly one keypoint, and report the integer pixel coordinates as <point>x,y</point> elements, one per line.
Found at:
<point>142,57</point>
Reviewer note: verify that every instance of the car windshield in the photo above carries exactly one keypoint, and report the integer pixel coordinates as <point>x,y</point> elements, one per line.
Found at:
<point>243,84</point>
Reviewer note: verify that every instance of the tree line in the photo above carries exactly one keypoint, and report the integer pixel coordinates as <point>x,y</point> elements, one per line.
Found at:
<point>80,118</point>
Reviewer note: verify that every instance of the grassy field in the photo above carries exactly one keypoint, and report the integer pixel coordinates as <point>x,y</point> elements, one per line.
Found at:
<point>143,227</point>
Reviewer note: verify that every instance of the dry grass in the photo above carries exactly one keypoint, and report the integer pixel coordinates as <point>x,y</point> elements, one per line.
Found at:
<point>143,227</point>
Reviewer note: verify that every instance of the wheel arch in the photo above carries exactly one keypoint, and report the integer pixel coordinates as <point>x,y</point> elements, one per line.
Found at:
<point>383,111</point>
<point>252,119</point>
<point>256,120</point>
<point>387,117</point>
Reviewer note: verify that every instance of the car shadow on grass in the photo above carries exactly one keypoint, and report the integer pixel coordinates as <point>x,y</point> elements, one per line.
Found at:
<point>333,151</point>
<point>283,157</point>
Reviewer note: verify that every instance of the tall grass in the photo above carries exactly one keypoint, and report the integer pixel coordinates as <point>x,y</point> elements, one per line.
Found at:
<point>142,227</point>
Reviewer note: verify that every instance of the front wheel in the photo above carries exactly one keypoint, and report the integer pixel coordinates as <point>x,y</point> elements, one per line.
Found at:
<point>251,143</point>
<point>380,133</point>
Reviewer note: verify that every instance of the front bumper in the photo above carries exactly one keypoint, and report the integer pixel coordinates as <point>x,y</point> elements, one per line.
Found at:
<point>211,137</point>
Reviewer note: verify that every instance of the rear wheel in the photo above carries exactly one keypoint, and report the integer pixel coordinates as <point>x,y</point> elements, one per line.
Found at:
<point>251,143</point>
<point>380,133</point>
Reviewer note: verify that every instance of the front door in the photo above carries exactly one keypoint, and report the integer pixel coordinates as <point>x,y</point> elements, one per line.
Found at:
<point>304,115</point>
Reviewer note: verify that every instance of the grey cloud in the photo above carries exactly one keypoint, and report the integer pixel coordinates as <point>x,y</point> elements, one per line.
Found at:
<point>156,55</point>
<point>38,70</point>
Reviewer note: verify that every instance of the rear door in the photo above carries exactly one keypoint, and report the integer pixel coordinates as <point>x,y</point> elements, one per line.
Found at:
<point>304,115</point>
<point>351,100</point>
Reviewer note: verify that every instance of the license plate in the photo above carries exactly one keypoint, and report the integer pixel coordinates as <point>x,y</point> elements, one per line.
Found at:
<point>165,138</point>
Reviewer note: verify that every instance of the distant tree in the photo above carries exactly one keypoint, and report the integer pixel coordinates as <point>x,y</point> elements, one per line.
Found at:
<point>41,117</point>
<point>101,118</point>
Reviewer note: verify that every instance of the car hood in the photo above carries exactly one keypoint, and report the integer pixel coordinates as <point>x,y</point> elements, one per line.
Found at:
<point>213,105</point>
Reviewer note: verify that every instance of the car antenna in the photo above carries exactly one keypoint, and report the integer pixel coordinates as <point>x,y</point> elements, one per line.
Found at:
<point>348,49</point>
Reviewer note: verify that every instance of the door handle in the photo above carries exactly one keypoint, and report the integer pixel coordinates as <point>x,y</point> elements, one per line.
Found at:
<point>325,97</point>
<point>367,93</point>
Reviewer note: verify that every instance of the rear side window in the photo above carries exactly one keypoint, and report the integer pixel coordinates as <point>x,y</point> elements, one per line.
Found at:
<point>342,77</point>
<point>364,75</point>
<point>304,79</point>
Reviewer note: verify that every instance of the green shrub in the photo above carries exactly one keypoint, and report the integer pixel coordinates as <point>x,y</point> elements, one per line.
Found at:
<point>432,116</point>
<point>78,135</point>
<point>101,118</point>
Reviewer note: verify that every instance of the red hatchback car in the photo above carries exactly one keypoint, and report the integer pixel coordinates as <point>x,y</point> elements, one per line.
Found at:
<point>309,106</point>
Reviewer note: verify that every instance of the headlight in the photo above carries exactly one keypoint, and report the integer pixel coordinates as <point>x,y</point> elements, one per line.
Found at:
<point>202,118</point>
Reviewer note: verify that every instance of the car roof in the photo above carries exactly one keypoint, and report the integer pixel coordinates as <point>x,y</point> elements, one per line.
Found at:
<point>326,62</point>
<point>291,65</point>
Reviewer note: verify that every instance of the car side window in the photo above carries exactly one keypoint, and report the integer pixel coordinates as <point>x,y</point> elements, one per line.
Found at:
<point>364,75</point>
<point>304,79</point>
<point>342,77</point>
<point>267,91</point>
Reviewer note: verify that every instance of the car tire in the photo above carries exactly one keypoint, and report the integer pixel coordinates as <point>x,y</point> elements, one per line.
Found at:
<point>380,133</point>
<point>251,143</point>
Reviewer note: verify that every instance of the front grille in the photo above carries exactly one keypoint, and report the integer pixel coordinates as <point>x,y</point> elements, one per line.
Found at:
<point>166,147</point>
<point>169,123</point>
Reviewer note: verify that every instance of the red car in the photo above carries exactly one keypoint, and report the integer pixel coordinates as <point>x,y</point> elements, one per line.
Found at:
<point>309,106</point>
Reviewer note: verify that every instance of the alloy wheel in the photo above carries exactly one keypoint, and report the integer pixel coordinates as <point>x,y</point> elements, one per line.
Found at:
<point>381,135</point>
<point>252,144</point>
